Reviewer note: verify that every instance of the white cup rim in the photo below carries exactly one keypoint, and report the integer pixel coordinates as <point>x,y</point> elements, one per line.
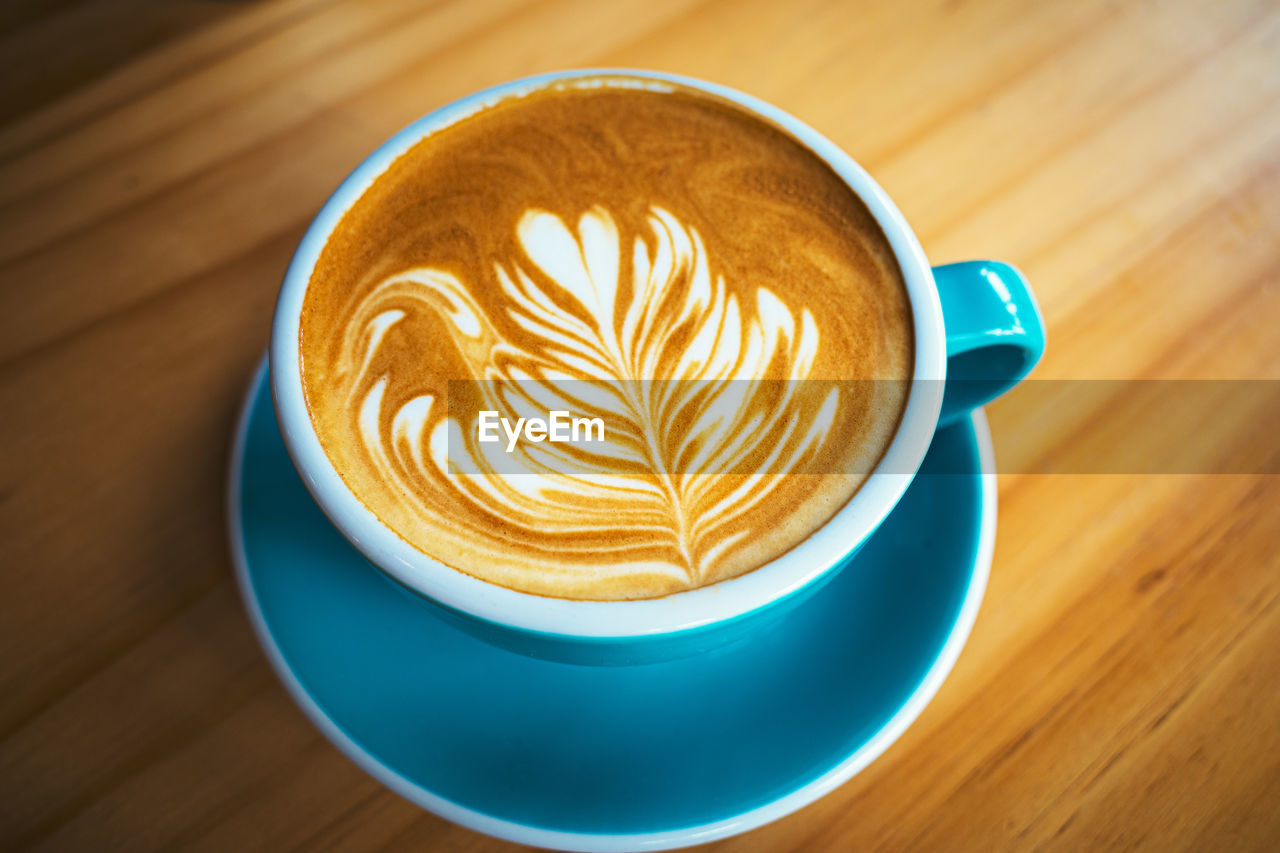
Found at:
<point>705,606</point>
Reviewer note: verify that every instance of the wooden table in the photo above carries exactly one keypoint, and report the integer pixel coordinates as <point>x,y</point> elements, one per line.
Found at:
<point>159,161</point>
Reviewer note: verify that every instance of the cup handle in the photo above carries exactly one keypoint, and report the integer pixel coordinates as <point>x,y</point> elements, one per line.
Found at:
<point>995,334</point>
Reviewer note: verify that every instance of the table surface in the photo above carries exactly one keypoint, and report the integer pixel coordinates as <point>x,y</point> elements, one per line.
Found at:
<point>160,160</point>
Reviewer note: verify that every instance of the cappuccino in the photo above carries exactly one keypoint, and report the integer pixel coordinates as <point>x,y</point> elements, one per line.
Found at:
<point>623,250</point>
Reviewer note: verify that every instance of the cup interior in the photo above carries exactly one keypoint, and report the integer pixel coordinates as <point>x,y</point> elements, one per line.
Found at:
<point>696,608</point>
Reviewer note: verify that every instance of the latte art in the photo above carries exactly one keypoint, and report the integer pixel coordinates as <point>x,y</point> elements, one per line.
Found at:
<point>507,287</point>
<point>678,323</point>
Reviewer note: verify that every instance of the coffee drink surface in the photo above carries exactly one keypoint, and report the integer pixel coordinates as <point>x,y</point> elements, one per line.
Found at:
<point>585,236</point>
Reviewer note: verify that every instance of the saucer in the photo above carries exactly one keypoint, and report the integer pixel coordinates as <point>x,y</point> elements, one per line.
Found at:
<point>612,758</point>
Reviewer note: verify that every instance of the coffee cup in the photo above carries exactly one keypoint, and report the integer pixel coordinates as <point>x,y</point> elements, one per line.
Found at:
<point>975,331</point>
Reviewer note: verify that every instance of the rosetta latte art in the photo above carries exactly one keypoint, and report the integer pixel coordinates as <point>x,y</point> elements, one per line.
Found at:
<point>653,499</point>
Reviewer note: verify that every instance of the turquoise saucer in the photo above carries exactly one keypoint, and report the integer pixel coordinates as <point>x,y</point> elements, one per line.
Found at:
<point>612,758</point>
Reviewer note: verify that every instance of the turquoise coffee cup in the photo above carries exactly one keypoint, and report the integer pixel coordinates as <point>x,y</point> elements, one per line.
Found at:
<point>977,333</point>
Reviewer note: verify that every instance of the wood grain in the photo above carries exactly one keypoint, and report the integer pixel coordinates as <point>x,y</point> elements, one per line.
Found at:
<point>159,161</point>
